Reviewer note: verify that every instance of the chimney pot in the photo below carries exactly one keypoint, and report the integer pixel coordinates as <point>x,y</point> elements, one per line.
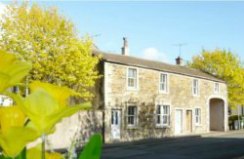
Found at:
<point>179,61</point>
<point>125,49</point>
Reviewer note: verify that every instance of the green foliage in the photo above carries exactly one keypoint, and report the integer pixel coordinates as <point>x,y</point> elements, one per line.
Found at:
<point>50,42</point>
<point>22,155</point>
<point>92,149</point>
<point>233,118</point>
<point>224,65</point>
<point>43,108</point>
<point>12,70</point>
<point>45,111</point>
<point>35,153</point>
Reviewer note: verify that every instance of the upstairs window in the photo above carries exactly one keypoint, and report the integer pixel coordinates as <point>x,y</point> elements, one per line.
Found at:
<point>163,115</point>
<point>198,116</point>
<point>216,87</point>
<point>195,87</point>
<point>131,115</point>
<point>132,78</point>
<point>163,82</point>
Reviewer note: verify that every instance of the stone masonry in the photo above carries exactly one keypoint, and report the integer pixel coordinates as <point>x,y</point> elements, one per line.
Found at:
<point>147,96</point>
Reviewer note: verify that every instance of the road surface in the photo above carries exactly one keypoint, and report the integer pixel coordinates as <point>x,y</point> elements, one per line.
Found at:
<point>228,145</point>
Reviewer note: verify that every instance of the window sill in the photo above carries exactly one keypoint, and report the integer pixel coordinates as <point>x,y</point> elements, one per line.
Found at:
<point>132,127</point>
<point>162,127</point>
<point>163,92</point>
<point>198,125</point>
<point>132,89</point>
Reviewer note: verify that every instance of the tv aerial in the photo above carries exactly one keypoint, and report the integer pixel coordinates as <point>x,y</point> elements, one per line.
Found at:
<point>180,45</point>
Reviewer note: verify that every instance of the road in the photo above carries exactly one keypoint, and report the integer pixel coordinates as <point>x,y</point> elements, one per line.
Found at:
<point>228,145</point>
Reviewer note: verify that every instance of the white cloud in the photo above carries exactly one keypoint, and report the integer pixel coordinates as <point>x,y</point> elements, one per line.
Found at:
<point>152,53</point>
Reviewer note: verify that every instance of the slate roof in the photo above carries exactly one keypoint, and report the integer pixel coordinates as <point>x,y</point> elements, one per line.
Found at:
<point>156,65</point>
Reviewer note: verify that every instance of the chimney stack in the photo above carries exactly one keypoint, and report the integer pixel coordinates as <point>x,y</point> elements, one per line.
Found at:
<point>125,49</point>
<point>179,61</point>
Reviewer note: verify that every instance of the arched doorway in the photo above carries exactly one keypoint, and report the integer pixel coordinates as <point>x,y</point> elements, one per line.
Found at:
<point>217,114</point>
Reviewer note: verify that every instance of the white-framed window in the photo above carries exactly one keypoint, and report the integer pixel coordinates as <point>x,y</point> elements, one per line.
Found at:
<point>162,115</point>
<point>216,87</point>
<point>132,78</point>
<point>197,116</point>
<point>195,87</point>
<point>131,115</point>
<point>163,83</point>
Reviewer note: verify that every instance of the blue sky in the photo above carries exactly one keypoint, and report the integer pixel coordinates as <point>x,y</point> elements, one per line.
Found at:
<point>152,28</point>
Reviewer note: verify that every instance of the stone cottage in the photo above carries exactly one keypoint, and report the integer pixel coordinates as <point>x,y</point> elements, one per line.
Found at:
<point>138,99</point>
<point>149,99</point>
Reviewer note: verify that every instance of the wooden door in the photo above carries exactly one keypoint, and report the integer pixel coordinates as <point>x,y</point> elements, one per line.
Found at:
<point>189,120</point>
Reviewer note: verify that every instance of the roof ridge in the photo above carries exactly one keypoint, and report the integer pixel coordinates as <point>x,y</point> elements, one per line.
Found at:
<point>158,65</point>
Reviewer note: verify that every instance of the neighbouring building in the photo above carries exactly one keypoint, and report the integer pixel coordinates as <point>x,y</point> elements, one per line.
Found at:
<point>149,99</point>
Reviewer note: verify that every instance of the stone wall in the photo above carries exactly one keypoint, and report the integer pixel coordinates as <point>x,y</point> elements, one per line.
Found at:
<point>77,128</point>
<point>147,96</point>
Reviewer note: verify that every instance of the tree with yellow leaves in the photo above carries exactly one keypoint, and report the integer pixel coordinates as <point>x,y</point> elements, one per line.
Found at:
<point>224,65</point>
<point>36,115</point>
<point>50,42</point>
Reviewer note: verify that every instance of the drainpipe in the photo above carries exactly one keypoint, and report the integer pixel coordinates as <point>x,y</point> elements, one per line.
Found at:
<point>104,100</point>
<point>103,124</point>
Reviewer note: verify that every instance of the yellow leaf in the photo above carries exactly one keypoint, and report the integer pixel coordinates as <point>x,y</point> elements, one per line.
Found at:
<point>11,117</point>
<point>61,94</point>
<point>12,70</point>
<point>15,139</point>
<point>44,110</point>
<point>35,153</point>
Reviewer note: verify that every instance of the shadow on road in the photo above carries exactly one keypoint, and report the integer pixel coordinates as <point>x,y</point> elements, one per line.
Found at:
<point>220,147</point>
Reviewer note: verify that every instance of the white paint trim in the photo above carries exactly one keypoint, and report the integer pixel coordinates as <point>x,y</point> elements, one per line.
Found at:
<point>214,85</point>
<point>194,116</point>
<point>110,122</point>
<point>137,79</point>
<point>161,125</point>
<point>198,87</point>
<point>182,123</point>
<point>167,84</point>
<point>128,126</point>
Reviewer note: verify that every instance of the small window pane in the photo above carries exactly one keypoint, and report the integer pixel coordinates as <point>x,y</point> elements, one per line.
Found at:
<point>132,77</point>
<point>163,82</point>
<point>158,119</point>
<point>112,117</point>
<point>198,116</point>
<point>195,87</point>
<point>165,119</point>
<point>162,115</point>
<point>216,87</point>
<point>158,110</point>
<point>116,118</point>
<point>131,115</point>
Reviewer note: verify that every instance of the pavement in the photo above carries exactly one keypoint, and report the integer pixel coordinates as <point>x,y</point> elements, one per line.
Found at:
<point>214,145</point>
